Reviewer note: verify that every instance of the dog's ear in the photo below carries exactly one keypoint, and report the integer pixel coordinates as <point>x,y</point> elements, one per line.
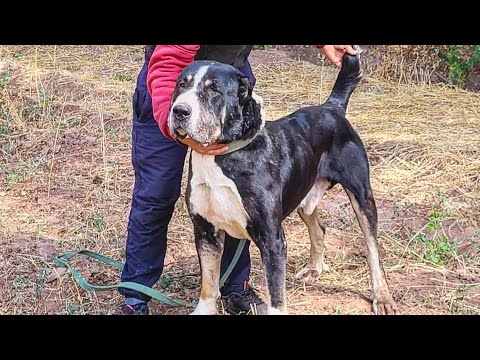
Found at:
<point>243,119</point>
<point>244,89</point>
<point>251,112</point>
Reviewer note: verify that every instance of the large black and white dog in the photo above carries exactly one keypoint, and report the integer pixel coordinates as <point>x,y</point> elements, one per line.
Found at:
<point>277,167</point>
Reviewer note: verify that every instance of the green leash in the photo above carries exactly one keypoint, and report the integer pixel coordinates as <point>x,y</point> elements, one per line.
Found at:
<point>241,245</point>
<point>62,261</point>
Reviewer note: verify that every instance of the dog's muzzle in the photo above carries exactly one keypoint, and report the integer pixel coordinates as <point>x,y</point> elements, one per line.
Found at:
<point>180,116</point>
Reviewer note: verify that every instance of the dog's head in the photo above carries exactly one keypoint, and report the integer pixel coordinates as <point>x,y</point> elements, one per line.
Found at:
<point>214,102</point>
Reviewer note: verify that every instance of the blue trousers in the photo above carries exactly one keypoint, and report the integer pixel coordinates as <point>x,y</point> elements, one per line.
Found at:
<point>158,166</point>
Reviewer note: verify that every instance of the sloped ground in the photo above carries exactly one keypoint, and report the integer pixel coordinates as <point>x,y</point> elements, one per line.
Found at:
<point>66,179</point>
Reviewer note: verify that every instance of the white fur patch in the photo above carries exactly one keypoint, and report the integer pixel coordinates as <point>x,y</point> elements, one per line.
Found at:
<point>206,307</point>
<point>215,197</point>
<point>259,100</point>
<point>274,311</point>
<point>190,97</point>
<point>312,200</point>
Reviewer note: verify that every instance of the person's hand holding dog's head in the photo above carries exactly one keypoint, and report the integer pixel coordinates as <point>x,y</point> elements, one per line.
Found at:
<point>214,149</point>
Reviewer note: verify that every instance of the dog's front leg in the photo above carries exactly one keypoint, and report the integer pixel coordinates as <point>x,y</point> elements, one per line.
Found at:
<point>209,243</point>
<point>273,250</point>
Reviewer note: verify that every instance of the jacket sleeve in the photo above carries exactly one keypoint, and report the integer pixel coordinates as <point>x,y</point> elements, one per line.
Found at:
<point>166,64</point>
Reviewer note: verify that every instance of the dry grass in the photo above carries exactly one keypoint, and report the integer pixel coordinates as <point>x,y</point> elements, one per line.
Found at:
<point>404,63</point>
<point>66,179</point>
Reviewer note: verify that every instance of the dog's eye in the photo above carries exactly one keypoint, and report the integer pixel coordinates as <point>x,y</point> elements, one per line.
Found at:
<point>213,87</point>
<point>182,84</point>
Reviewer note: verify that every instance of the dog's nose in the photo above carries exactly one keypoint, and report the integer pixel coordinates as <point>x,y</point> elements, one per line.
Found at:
<point>182,112</point>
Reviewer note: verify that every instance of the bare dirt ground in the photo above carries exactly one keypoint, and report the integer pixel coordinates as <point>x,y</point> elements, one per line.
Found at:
<point>66,178</point>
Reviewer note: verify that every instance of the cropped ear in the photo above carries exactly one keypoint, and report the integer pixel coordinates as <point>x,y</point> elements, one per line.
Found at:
<point>244,89</point>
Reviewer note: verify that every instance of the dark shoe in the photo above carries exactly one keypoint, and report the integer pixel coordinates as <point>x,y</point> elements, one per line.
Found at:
<point>139,309</point>
<point>245,303</point>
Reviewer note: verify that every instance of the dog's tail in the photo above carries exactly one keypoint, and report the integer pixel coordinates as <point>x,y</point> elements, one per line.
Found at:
<point>347,80</point>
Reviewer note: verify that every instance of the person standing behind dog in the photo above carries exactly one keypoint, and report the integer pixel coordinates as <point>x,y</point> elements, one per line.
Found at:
<point>158,162</point>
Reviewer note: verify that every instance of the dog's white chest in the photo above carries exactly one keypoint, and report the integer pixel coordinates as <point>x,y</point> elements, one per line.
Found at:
<point>215,197</point>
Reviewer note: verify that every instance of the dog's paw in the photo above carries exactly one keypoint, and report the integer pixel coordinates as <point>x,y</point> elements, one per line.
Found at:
<point>312,272</point>
<point>383,303</point>
<point>197,312</point>
<point>273,311</point>
<point>205,308</point>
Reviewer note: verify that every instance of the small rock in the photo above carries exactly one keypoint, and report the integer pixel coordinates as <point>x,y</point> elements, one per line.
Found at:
<point>71,136</point>
<point>90,141</point>
<point>4,67</point>
<point>97,180</point>
<point>46,250</point>
<point>56,274</point>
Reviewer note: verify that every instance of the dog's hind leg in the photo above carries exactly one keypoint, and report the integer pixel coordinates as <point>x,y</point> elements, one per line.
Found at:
<point>366,213</point>
<point>209,243</point>
<point>316,230</point>
<point>348,165</point>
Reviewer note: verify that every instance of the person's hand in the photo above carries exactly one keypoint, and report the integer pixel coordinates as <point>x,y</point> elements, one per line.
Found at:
<point>335,53</point>
<point>215,149</point>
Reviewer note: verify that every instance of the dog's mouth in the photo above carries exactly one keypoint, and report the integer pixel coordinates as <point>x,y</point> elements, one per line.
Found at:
<point>180,134</point>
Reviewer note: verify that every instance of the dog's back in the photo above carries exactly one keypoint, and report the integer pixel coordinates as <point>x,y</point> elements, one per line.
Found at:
<point>300,143</point>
